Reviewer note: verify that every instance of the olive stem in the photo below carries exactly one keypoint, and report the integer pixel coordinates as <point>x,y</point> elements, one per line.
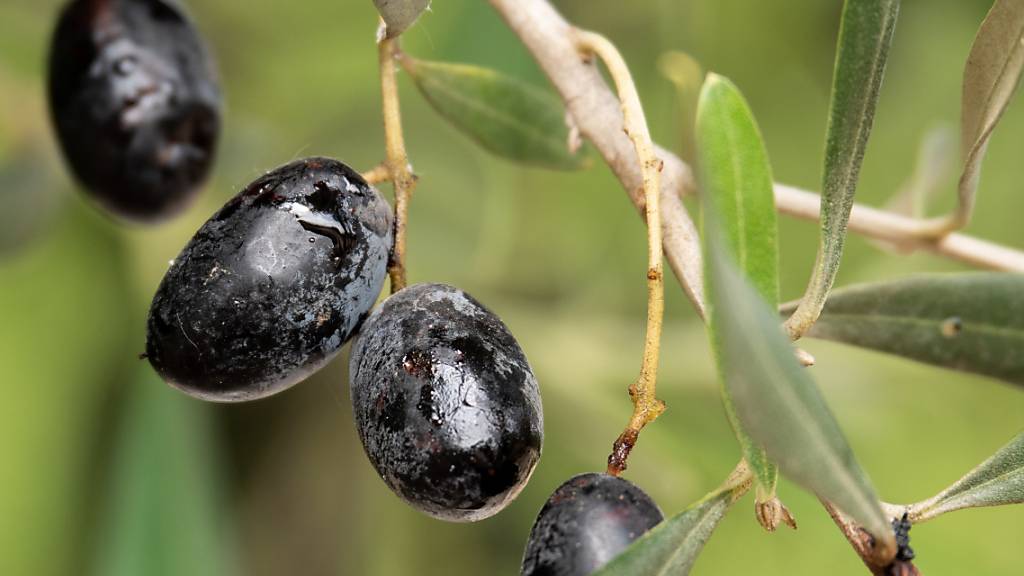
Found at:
<point>904,231</point>
<point>878,556</point>
<point>397,161</point>
<point>377,175</point>
<point>546,34</point>
<point>646,406</point>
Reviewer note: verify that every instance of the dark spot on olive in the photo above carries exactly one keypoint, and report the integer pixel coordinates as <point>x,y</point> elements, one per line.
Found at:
<point>250,306</point>
<point>472,414</point>
<point>588,520</point>
<point>418,363</point>
<point>392,416</point>
<point>323,196</point>
<point>135,103</point>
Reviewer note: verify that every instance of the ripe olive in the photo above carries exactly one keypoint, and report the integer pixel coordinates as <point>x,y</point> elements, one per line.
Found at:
<point>445,403</point>
<point>588,520</point>
<point>272,285</point>
<point>135,103</point>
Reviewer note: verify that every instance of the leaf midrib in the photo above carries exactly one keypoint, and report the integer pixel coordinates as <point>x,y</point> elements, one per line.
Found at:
<point>969,326</point>
<point>816,434</point>
<point>845,173</point>
<point>987,122</point>
<point>1019,470</point>
<point>701,521</point>
<point>527,130</point>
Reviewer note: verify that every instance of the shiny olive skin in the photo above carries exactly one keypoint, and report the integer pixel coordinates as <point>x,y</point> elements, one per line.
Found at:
<point>271,286</point>
<point>135,103</point>
<point>588,520</point>
<point>445,403</point>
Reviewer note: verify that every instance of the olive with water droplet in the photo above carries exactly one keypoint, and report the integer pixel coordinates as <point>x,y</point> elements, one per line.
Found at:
<point>135,102</point>
<point>587,522</point>
<point>251,306</point>
<point>445,403</point>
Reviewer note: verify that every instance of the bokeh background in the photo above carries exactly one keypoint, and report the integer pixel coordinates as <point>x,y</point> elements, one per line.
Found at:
<point>106,471</point>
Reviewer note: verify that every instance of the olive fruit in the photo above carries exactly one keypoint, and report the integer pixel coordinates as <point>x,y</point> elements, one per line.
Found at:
<point>588,520</point>
<point>135,102</point>
<point>273,284</point>
<point>445,402</point>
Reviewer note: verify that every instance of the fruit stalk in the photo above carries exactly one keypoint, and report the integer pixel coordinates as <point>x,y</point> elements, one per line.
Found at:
<point>646,406</point>
<point>396,159</point>
<point>877,557</point>
<point>376,175</point>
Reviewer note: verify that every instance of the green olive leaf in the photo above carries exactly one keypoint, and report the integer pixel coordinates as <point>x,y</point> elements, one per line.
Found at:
<point>58,381</point>
<point>400,15</point>
<point>504,115</point>
<point>991,77</point>
<point>776,400</point>
<point>997,481</point>
<point>672,547</point>
<point>973,322</point>
<point>735,175</point>
<point>163,514</point>
<point>865,35</point>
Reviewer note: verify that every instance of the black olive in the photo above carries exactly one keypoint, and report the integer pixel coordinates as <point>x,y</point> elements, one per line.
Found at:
<point>445,403</point>
<point>135,102</point>
<point>586,523</point>
<point>272,285</point>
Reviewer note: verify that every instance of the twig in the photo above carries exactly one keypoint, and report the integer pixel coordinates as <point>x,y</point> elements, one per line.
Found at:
<point>596,113</point>
<point>397,162</point>
<point>904,232</point>
<point>646,406</point>
<point>595,110</point>
<point>377,174</point>
<point>880,561</point>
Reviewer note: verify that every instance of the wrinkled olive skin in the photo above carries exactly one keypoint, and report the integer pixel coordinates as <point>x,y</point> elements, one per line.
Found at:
<point>445,403</point>
<point>588,521</point>
<point>135,102</point>
<point>272,285</point>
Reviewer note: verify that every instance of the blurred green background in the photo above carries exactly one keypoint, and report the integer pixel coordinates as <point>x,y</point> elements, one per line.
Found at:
<point>107,471</point>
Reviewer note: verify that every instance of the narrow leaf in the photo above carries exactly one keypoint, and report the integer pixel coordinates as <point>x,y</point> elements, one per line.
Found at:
<point>777,402</point>
<point>400,15</point>
<point>972,322</point>
<point>506,116</point>
<point>672,547</point>
<point>995,482</point>
<point>865,35</point>
<point>164,514</point>
<point>735,175</point>
<point>991,76</point>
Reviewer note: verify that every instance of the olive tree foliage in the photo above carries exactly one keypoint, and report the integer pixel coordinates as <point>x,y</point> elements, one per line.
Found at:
<point>970,322</point>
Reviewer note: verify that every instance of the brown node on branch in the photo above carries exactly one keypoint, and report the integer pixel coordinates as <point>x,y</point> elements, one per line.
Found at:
<point>620,451</point>
<point>771,513</point>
